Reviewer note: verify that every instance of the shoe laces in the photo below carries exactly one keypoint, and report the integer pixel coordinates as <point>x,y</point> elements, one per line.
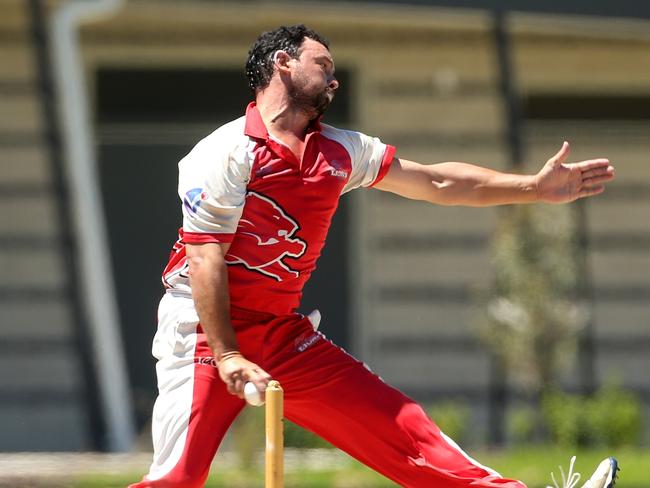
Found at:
<point>570,480</point>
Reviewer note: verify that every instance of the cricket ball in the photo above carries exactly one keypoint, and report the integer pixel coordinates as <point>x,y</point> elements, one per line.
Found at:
<point>253,395</point>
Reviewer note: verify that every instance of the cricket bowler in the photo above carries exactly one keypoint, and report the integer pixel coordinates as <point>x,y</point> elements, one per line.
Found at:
<point>258,195</point>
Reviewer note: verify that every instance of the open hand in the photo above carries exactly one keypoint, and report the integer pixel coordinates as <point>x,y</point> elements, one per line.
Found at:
<point>236,370</point>
<point>560,182</point>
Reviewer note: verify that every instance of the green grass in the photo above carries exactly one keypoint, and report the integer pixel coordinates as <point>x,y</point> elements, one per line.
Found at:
<point>530,464</point>
<point>533,464</point>
<point>353,476</point>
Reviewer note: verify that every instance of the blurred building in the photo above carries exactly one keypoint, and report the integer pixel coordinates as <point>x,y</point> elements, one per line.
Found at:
<point>398,280</point>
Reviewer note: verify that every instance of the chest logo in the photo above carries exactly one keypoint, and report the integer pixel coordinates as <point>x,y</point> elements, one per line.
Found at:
<point>265,239</point>
<point>337,170</point>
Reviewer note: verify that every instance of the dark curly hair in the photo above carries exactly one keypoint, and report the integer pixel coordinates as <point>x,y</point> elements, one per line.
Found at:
<point>259,65</point>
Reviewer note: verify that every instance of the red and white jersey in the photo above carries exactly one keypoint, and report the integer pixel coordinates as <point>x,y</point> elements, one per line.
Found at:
<point>239,185</point>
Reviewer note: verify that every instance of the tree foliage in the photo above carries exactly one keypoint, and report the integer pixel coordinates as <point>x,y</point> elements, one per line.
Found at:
<point>533,316</point>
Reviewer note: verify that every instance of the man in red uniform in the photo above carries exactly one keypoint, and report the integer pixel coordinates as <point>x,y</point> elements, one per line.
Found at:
<point>258,197</point>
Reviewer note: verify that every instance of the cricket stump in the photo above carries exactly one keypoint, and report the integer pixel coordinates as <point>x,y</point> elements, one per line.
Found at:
<point>274,459</point>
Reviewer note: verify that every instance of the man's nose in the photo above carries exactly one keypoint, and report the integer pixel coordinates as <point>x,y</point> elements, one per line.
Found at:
<point>333,84</point>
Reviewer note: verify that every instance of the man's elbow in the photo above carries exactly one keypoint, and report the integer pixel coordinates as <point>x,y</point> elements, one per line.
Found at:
<point>444,193</point>
<point>202,262</point>
<point>195,262</point>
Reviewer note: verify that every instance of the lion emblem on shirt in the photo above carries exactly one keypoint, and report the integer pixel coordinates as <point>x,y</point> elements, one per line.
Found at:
<point>265,238</point>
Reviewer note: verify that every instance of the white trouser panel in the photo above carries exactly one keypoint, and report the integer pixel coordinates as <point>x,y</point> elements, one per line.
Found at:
<point>173,347</point>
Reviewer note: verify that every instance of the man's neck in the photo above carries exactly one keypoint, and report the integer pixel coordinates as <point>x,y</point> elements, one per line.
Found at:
<point>281,119</point>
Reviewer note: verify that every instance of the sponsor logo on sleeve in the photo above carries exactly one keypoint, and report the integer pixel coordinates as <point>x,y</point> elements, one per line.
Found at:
<point>193,199</point>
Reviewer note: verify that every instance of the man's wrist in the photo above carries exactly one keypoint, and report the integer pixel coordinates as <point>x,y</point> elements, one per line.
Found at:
<point>225,355</point>
<point>533,188</point>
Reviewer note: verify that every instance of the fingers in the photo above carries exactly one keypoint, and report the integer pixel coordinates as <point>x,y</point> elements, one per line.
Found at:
<point>259,378</point>
<point>235,384</point>
<point>594,173</point>
<point>597,180</point>
<point>590,164</point>
<point>561,156</point>
<point>597,175</point>
<point>591,191</point>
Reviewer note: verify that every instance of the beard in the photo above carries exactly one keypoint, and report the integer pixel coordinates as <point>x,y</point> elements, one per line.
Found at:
<point>312,104</point>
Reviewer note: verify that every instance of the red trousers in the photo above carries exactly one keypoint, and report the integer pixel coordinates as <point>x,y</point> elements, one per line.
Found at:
<point>327,391</point>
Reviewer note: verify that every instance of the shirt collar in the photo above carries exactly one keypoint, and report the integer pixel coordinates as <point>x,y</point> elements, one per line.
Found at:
<point>255,125</point>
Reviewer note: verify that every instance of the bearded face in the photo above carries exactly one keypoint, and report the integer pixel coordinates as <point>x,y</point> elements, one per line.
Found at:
<point>310,95</point>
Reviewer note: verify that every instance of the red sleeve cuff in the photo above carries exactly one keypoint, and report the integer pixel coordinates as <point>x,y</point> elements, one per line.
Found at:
<point>389,154</point>
<point>202,238</point>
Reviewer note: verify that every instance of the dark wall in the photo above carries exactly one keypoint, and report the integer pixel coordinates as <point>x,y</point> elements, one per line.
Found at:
<point>142,211</point>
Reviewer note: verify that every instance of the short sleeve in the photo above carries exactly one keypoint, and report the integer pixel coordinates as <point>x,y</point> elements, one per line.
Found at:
<point>212,186</point>
<point>370,159</point>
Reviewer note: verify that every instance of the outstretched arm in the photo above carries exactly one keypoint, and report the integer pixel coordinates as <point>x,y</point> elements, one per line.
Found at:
<point>456,183</point>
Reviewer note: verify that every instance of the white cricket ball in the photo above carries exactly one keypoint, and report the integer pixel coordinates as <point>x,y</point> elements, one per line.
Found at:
<point>252,395</point>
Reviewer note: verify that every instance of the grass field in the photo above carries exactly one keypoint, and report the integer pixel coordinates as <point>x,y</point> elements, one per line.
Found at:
<point>531,464</point>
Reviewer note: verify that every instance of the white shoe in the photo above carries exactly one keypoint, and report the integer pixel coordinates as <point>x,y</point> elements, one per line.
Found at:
<point>603,477</point>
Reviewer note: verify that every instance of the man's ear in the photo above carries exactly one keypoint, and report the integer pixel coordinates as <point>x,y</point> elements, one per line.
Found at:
<point>281,60</point>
